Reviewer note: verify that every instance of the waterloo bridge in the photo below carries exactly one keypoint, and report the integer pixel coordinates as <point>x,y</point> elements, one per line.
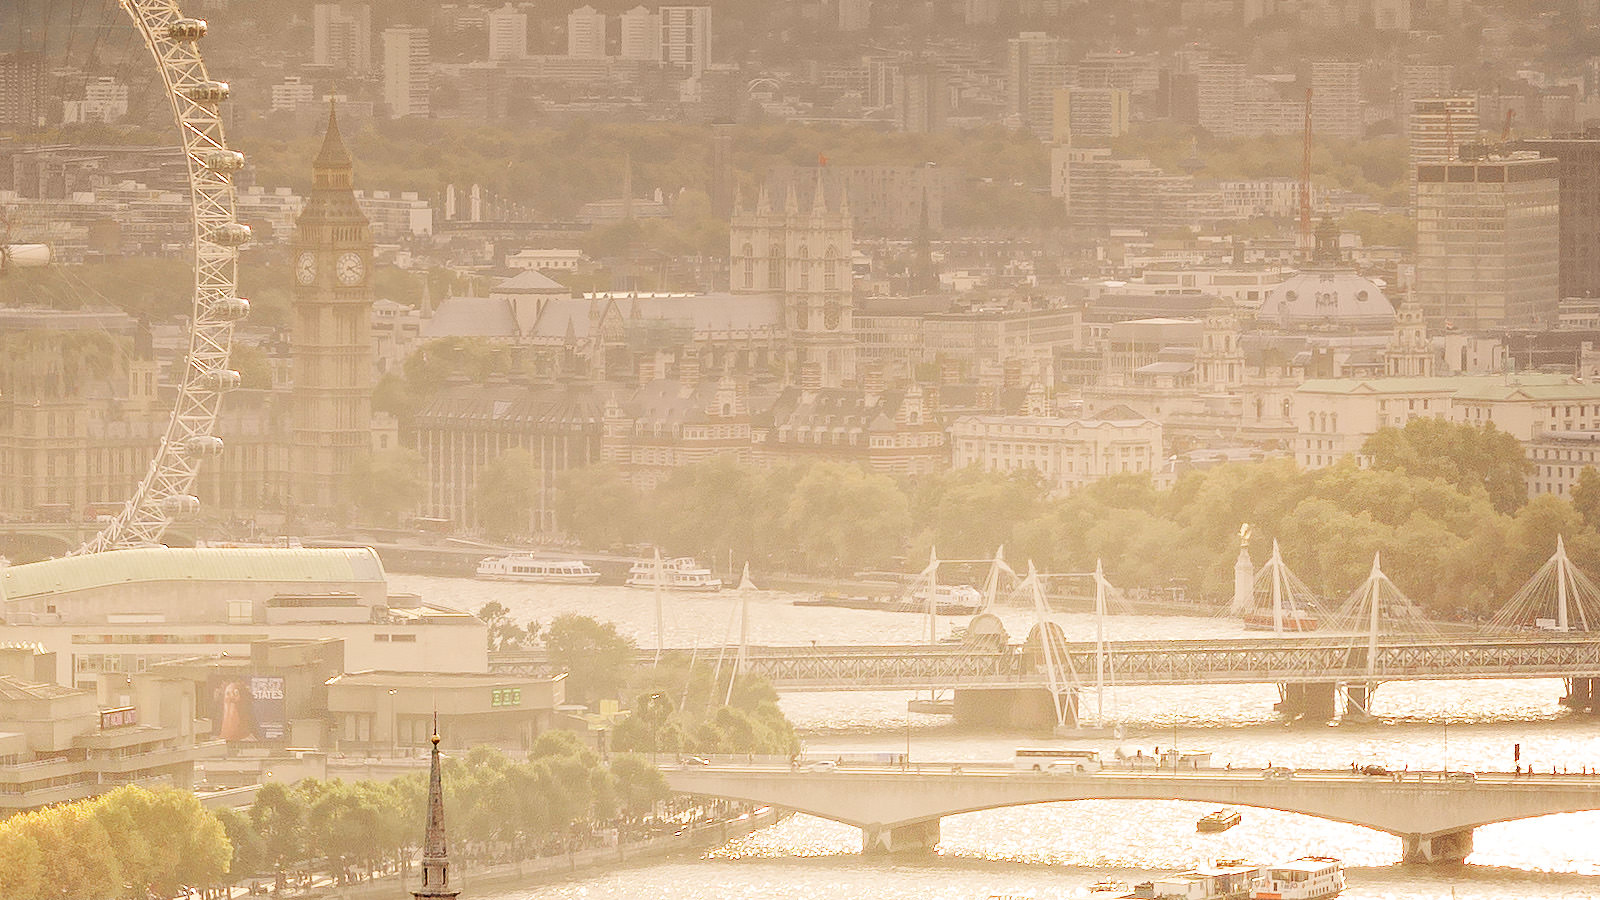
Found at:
<point>899,808</point>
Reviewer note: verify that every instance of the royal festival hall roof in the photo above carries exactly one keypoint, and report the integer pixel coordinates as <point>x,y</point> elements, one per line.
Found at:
<point>75,574</point>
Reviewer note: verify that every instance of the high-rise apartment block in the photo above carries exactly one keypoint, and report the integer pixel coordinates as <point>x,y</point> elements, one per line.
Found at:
<point>586,33</point>
<point>1090,113</point>
<point>406,71</point>
<point>641,35</point>
<point>21,89</point>
<point>341,37</point>
<point>1488,242</point>
<point>921,98</point>
<point>508,34</point>
<point>686,36</point>
<point>1219,86</point>
<point>1438,127</point>
<point>1036,66</point>
<point>1578,172</point>
<point>1336,99</point>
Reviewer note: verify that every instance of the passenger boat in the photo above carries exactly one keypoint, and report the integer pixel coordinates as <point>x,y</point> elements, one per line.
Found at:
<point>1307,878</point>
<point>1294,620</point>
<point>1218,820</point>
<point>679,574</point>
<point>949,599</point>
<point>525,567</point>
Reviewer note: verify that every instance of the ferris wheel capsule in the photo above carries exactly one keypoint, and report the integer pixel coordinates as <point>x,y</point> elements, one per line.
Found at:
<point>229,309</point>
<point>203,445</point>
<point>223,161</point>
<point>231,234</point>
<point>180,505</point>
<point>185,30</point>
<point>208,92</point>
<point>220,380</point>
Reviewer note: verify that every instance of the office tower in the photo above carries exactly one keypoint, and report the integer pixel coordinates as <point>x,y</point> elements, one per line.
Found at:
<point>406,66</point>
<point>1488,249</point>
<point>1036,65</point>
<point>586,33</point>
<point>21,90</point>
<point>641,35</point>
<point>341,37</point>
<point>1336,99</point>
<point>686,36</point>
<point>1578,175</point>
<point>508,34</point>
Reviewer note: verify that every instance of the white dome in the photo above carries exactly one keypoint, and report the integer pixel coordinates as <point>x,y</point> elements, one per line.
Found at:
<point>1328,297</point>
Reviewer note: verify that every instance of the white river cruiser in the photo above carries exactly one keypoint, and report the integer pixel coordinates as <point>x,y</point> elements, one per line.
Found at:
<point>678,574</point>
<point>525,567</point>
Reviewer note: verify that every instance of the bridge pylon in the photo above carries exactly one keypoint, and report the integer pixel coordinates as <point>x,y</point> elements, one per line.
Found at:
<point>1556,600</point>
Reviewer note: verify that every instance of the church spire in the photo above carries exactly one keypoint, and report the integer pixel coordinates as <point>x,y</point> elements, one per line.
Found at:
<point>435,850</point>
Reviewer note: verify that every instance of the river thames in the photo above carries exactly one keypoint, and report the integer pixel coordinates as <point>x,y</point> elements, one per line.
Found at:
<point>1058,849</point>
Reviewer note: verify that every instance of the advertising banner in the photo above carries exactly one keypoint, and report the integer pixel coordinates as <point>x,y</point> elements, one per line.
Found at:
<point>247,707</point>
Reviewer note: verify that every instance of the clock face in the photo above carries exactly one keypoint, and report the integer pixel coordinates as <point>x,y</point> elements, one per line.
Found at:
<point>349,269</point>
<point>305,268</point>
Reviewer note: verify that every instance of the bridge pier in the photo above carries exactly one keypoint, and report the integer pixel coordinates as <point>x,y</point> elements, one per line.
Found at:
<point>1029,709</point>
<point>1582,693</point>
<point>1316,702</point>
<point>1444,847</point>
<point>914,837</point>
<point>1356,698</point>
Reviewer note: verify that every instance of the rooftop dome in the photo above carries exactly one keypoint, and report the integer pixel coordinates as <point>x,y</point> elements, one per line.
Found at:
<point>1327,292</point>
<point>1327,297</point>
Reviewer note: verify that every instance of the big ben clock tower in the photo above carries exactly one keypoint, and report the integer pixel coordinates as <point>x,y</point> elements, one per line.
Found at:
<point>332,334</point>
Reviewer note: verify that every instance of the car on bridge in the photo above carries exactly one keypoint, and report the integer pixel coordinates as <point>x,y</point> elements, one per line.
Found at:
<point>1277,772</point>
<point>1376,771</point>
<point>822,765</point>
<point>1465,777</point>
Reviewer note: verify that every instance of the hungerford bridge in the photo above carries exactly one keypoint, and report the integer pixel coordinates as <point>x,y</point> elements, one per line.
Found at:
<point>1377,636</point>
<point>898,808</point>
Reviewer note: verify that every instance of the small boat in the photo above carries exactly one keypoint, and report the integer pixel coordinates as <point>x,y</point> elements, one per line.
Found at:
<point>525,567</point>
<point>1307,878</point>
<point>678,574</point>
<point>1218,820</point>
<point>949,599</point>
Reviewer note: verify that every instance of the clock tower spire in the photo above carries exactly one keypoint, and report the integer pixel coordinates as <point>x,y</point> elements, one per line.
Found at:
<point>331,338</point>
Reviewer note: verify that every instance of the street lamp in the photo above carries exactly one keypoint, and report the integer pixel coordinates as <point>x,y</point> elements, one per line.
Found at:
<point>654,704</point>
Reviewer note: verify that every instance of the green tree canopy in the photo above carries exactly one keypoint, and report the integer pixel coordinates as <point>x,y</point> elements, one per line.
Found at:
<point>387,484</point>
<point>598,660</point>
<point>1467,456</point>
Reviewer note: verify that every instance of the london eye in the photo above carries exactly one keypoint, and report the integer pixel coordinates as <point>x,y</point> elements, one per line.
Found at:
<point>166,490</point>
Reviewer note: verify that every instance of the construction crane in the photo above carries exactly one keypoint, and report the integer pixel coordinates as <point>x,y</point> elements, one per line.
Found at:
<point>1305,183</point>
